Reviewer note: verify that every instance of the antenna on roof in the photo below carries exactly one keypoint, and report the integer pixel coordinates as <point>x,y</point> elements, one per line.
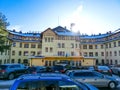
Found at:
<point>71,26</point>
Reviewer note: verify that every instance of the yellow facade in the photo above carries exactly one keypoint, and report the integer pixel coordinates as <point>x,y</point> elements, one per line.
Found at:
<point>35,61</point>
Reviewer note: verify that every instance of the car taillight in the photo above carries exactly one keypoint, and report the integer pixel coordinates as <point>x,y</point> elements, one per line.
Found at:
<point>110,71</point>
<point>99,70</point>
<point>2,71</point>
<point>34,72</point>
<point>62,71</point>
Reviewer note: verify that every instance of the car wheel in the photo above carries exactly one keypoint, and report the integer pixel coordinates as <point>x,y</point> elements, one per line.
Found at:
<point>112,85</point>
<point>11,76</point>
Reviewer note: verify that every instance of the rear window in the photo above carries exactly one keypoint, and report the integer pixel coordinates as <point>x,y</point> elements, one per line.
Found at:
<point>103,68</point>
<point>2,67</point>
<point>58,67</point>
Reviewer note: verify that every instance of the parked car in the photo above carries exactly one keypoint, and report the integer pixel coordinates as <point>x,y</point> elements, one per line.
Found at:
<point>93,77</point>
<point>49,81</point>
<point>60,68</point>
<point>116,70</point>
<point>10,71</point>
<point>36,69</point>
<point>102,69</point>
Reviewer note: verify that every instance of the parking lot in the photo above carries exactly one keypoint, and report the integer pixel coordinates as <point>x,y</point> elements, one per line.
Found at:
<point>5,84</point>
<point>94,77</point>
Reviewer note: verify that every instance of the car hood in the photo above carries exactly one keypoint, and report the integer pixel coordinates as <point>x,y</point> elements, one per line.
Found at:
<point>109,77</point>
<point>91,87</point>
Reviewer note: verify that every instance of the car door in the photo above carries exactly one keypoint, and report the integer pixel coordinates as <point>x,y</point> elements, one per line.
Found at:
<point>83,77</point>
<point>99,80</point>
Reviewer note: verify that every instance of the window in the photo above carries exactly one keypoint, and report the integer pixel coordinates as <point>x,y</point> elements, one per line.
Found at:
<point>72,45</point>
<point>39,45</point>
<point>13,53</point>
<point>76,45</point>
<point>19,60</point>
<point>116,62</point>
<point>84,46</point>
<point>119,53</point>
<point>20,53</point>
<point>48,39</point>
<point>114,44</point>
<point>96,53</point>
<point>13,60</point>
<point>85,54</point>
<point>51,39</point>
<point>118,43</point>
<point>109,45</point>
<point>45,39</point>
<point>106,45</point>
<point>26,45</point>
<point>59,45</point>
<point>25,53</point>
<point>63,45</point>
<point>96,47</point>
<point>20,45</point>
<point>90,47</point>
<point>46,49</point>
<point>102,53</point>
<point>14,44</point>
<point>91,54</point>
<point>110,53</point>
<point>103,62</point>
<point>51,49</point>
<point>72,53</point>
<point>48,85</point>
<point>102,47</point>
<point>33,46</point>
<point>106,53</point>
<point>111,62</point>
<point>38,53</point>
<point>115,53</point>
<point>32,53</point>
<point>61,53</point>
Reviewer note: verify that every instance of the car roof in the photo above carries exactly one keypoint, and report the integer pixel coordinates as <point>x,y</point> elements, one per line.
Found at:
<point>43,76</point>
<point>77,70</point>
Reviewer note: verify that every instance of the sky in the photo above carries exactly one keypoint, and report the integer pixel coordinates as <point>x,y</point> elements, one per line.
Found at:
<point>89,16</point>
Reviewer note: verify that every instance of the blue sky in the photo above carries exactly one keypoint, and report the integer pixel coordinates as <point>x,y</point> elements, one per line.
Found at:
<point>89,16</point>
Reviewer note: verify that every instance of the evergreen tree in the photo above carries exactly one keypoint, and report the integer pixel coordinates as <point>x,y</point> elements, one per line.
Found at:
<point>3,33</point>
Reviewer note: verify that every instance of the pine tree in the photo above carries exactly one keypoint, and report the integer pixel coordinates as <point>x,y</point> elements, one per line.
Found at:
<point>3,33</point>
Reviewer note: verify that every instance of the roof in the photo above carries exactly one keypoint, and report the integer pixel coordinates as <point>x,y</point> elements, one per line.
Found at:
<point>94,36</point>
<point>25,34</point>
<point>44,76</point>
<point>63,31</point>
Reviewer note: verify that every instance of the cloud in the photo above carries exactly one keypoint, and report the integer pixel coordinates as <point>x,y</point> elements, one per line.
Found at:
<point>16,27</point>
<point>84,22</point>
<point>73,18</point>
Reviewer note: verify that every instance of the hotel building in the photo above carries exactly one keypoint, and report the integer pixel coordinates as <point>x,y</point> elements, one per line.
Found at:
<point>60,41</point>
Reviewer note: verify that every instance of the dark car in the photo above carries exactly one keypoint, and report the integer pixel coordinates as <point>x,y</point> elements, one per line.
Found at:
<point>102,69</point>
<point>36,69</point>
<point>116,70</point>
<point>10,71</point>
<point>49,81</point>
<point>62,68</point>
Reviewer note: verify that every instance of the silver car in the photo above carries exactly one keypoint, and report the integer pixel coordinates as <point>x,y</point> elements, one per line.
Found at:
<point>93,77</point>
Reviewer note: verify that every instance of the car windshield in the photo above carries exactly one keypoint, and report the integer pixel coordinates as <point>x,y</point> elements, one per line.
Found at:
<point>48,85</point>
<point>103,67</point>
